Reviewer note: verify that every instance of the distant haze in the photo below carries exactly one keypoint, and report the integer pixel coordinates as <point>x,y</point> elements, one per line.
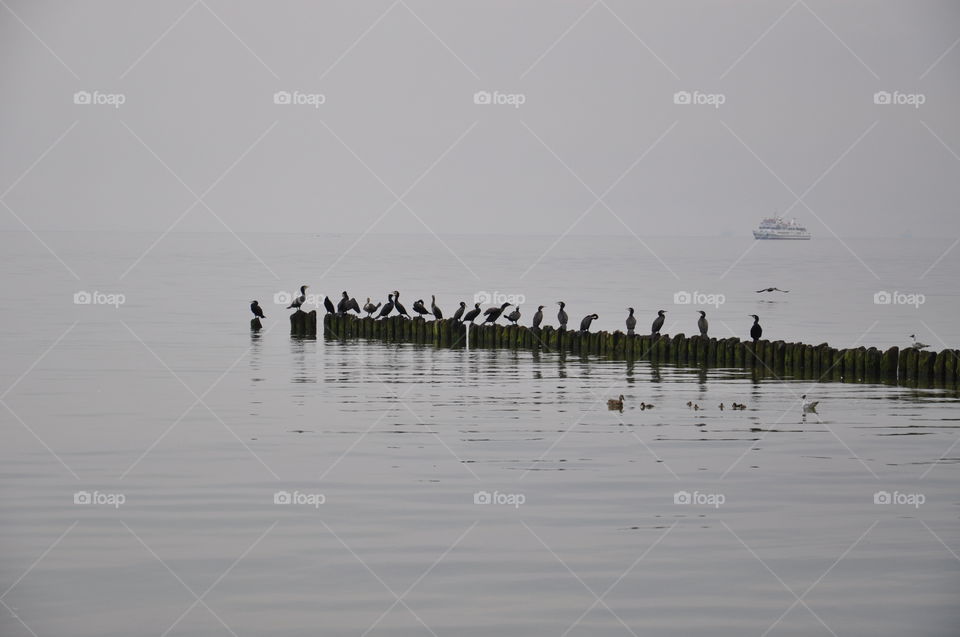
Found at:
<point>388,96</point>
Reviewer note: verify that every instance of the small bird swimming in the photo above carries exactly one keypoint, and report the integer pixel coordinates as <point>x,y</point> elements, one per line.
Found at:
<point>256,309</point>
<point>538,317</point>
<point>493,313</point>
<point>658,323</point>
<point>300,300</point>
<point>809,407</point>
<point>721,406</point>
<point>615,403</point>
<point>458,315</point>
<point>437,314</point>
<point>756,331</point>
<point>471,316</point>
<point>771,290</point>
<point>419,308</point>
<point>514,316</point>
<point>562,315</point>
<point>702,323</point>
<point>917,344</point>
<point>587,320</point>
<point>646,406</point>
<point>631,322</point>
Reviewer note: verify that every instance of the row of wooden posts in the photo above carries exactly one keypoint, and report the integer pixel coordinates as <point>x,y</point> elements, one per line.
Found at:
<point>909,366</point>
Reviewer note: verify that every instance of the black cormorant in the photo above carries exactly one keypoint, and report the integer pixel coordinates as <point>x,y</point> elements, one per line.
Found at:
<point>514,316</point>
<point>353,305</point>
<point>370,308</point>
<point>472,314</point>
<point>562,315</point>
<point>300,300</point>
<point>493,313</point>
<point>756,331</point>
<point>631,322</point>
<point>587,320</point>
<point>658,322</point>
<point>418,307</point>
<point>437,314</point>
<point>328,305</point>
<point>387,307</point>
<point>702,323</point>
<point>538,317</point>
<point>343,305</point>
<point>396,302</point>
<point>458,315</point>
<point>255,308</point>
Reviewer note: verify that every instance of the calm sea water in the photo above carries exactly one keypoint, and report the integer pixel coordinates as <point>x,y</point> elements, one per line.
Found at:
<point>466,492</point>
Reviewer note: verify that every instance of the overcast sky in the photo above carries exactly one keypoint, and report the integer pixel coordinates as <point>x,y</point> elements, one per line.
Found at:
<point>589,130</point>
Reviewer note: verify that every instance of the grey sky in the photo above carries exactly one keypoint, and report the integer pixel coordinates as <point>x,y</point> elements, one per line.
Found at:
<point>398,79</point>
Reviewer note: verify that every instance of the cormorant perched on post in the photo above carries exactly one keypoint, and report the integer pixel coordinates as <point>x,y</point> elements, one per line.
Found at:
<point>631,322</point>
<point>343,305</point>
<point>702,323</point>
<point>472,314</point>
<point>418,307</point>
<point>658,323</point>
<point>256,309</point>
<point>353,305</point>
<point>328,305</point>
<point>458,315</point>
<point>538,317</point>
<point>396,302</point>
<point>300,300</point>
<point>437,314</point>
<point>387,307</point>
<point>756,331</point>
<point>562,315</point>
<point>370,308</point>
<point>587,320</point>
<point>493,313</point>
<point>514,316</point>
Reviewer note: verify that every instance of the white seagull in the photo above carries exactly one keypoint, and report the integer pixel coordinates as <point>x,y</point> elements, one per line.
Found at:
<point>809,407</point>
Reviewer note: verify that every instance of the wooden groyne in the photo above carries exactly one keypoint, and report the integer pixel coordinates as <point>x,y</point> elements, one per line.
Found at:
<point>909,366</point>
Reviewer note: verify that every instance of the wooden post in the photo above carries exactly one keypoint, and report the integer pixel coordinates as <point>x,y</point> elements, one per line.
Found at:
<point>888,364</point>
<point>255,324</point>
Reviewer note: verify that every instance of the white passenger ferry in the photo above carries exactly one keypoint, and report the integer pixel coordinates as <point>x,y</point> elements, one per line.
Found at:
<point>776,228</point>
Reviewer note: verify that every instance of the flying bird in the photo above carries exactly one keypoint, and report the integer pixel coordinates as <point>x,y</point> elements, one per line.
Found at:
<point>771,290</point>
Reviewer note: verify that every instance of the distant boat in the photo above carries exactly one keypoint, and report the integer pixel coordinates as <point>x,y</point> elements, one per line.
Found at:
<point>777,228</point>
